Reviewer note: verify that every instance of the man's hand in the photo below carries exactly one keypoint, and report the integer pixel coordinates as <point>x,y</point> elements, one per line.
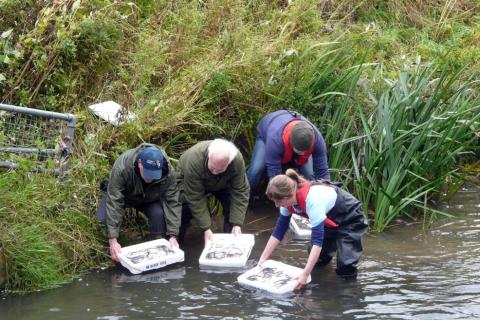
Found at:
<point>236,230</point>
<point>115,249</point>
<point>173,241</point>
<point>208,235</point>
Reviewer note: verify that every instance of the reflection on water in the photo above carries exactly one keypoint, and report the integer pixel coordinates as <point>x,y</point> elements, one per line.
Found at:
<point>405,273</point>
<point>163,276</point>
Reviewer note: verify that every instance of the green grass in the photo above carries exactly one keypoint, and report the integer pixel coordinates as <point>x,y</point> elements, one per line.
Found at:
<point>47,231</point>
<point>33,262</point>
<point>396,129</point>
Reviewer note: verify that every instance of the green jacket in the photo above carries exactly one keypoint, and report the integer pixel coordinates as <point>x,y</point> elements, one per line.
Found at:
<point>125,189</point>
<point>195,181</point>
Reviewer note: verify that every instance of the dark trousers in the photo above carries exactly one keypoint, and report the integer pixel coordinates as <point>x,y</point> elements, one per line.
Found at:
<point>346,241</point>
<point>153,210</point>
<point>187,216</point>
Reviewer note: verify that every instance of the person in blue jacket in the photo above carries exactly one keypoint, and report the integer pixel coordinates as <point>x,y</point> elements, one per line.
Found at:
<point>286,139</point>
<point>337,219</point>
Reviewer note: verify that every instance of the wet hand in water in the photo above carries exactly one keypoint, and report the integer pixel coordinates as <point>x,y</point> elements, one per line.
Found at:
<point>115,249</point>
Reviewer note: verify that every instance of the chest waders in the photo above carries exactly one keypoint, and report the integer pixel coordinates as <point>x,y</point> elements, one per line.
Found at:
<point>344,227</point>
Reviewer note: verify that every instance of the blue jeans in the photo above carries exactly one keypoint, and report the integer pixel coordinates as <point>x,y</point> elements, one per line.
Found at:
<point>257,169</point>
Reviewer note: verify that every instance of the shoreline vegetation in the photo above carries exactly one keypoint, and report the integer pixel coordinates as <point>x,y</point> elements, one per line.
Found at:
<point>392,85</point>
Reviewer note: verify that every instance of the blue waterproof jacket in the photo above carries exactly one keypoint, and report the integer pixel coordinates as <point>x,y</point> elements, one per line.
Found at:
<point>270,131</point>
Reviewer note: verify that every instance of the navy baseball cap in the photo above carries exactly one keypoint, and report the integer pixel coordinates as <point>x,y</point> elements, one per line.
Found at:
<point>152,162</point>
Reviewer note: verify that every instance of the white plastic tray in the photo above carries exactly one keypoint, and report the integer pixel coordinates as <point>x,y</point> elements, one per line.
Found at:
<point>273,276</point>
<point>301,227</point>
<point>227,250</point>
<point>150,255</point>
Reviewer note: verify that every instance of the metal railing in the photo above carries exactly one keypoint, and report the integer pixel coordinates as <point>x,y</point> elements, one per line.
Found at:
<point>40,140</point>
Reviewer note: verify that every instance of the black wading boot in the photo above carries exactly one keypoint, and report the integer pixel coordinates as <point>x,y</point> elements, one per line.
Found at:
<point>347,272</point>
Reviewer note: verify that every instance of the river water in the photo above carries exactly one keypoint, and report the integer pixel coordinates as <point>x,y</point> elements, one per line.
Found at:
<point>406,273</point>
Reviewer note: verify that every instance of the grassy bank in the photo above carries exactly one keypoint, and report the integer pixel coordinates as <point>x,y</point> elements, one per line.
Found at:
<point>47,234</point>
<point>391,85</point>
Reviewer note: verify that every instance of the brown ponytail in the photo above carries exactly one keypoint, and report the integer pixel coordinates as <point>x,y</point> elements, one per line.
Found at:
<point>299,179</point>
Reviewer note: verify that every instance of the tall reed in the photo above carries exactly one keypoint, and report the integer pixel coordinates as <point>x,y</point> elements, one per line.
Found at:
<point>420,129</point>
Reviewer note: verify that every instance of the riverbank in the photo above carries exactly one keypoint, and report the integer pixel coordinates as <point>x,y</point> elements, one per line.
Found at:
<point>3,268</point>
<point>392,89</point>
<point>405,273</point>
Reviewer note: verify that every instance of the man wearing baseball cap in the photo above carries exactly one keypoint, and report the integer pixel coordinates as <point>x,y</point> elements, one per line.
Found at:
<point>286,139</point>
<point>144,179</point>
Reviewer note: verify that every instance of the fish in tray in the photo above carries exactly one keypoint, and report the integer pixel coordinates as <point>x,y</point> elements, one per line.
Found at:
<point>272,276</point>
<point>153,253</point>
<point>227,250</point>
<point>301,227</point>
<point>150,255</point>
